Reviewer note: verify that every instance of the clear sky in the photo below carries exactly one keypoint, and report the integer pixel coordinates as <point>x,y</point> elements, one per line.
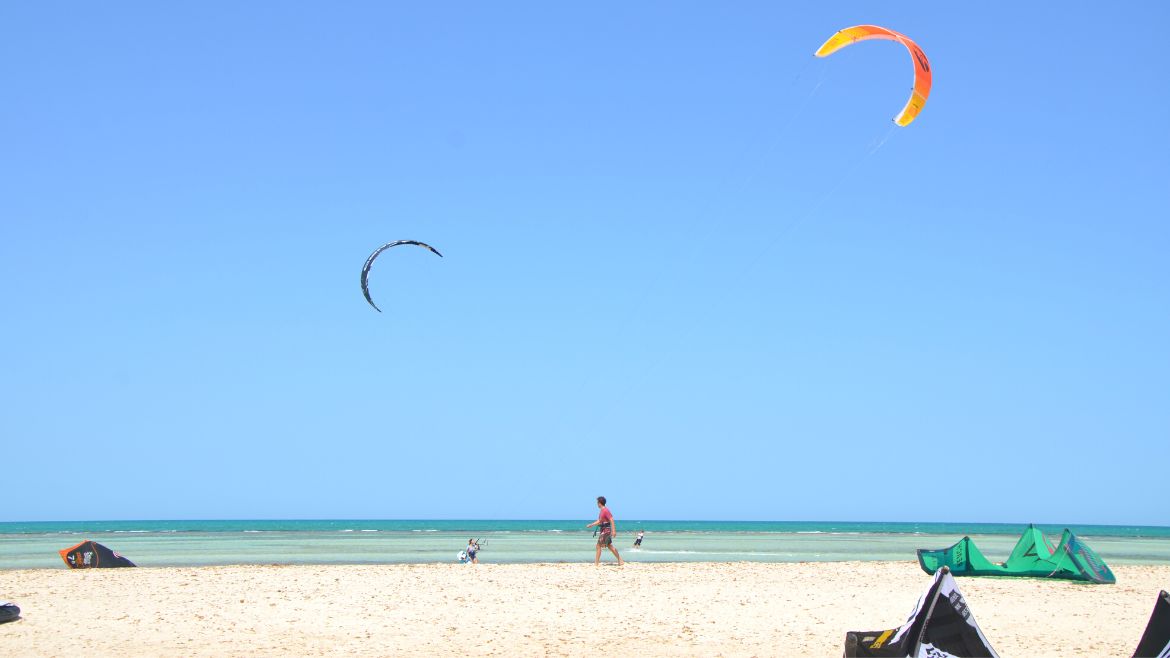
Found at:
<point>687,265</point>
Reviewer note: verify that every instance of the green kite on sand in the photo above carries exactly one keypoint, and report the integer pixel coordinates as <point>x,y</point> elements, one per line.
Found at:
<point>1032,557</point>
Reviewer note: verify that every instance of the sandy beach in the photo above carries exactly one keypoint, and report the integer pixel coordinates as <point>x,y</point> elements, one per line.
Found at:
<point>739,609</point>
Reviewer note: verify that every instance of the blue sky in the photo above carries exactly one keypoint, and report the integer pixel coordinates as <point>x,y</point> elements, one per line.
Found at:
<point>688,265</point>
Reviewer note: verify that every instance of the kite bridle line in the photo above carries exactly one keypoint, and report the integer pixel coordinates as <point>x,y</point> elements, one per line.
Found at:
<point>772,145</point>
<point>874,145</point>
<point>841,180</point>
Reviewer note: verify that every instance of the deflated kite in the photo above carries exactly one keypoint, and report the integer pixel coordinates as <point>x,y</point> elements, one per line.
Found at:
<point>373,256</point>
<point>851,35</point>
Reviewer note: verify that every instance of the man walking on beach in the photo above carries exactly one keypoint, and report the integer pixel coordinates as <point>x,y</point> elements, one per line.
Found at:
<point>608,528</point>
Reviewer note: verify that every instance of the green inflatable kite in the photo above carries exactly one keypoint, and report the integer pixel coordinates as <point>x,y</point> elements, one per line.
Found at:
<point>1032,557</point>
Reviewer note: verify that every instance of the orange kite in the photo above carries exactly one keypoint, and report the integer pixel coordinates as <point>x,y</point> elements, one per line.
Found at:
<point>851,35</point>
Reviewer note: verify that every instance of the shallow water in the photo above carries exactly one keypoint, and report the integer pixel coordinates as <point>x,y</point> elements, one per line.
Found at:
<point>194,543</point>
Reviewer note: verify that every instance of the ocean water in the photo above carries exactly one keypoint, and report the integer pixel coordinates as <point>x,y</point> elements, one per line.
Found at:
<point>34,545</point>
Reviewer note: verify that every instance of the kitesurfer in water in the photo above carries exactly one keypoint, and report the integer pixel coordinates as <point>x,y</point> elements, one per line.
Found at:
<point>608,529</point>
<point>638,541</point>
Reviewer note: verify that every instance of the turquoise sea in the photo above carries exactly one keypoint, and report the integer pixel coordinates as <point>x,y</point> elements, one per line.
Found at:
<point>34,545</point>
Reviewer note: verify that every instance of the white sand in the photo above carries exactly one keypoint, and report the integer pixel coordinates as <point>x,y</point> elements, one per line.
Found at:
<point>744,609</point>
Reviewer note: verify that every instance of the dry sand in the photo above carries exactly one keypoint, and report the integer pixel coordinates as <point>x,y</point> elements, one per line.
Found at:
<point>744,609</point>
